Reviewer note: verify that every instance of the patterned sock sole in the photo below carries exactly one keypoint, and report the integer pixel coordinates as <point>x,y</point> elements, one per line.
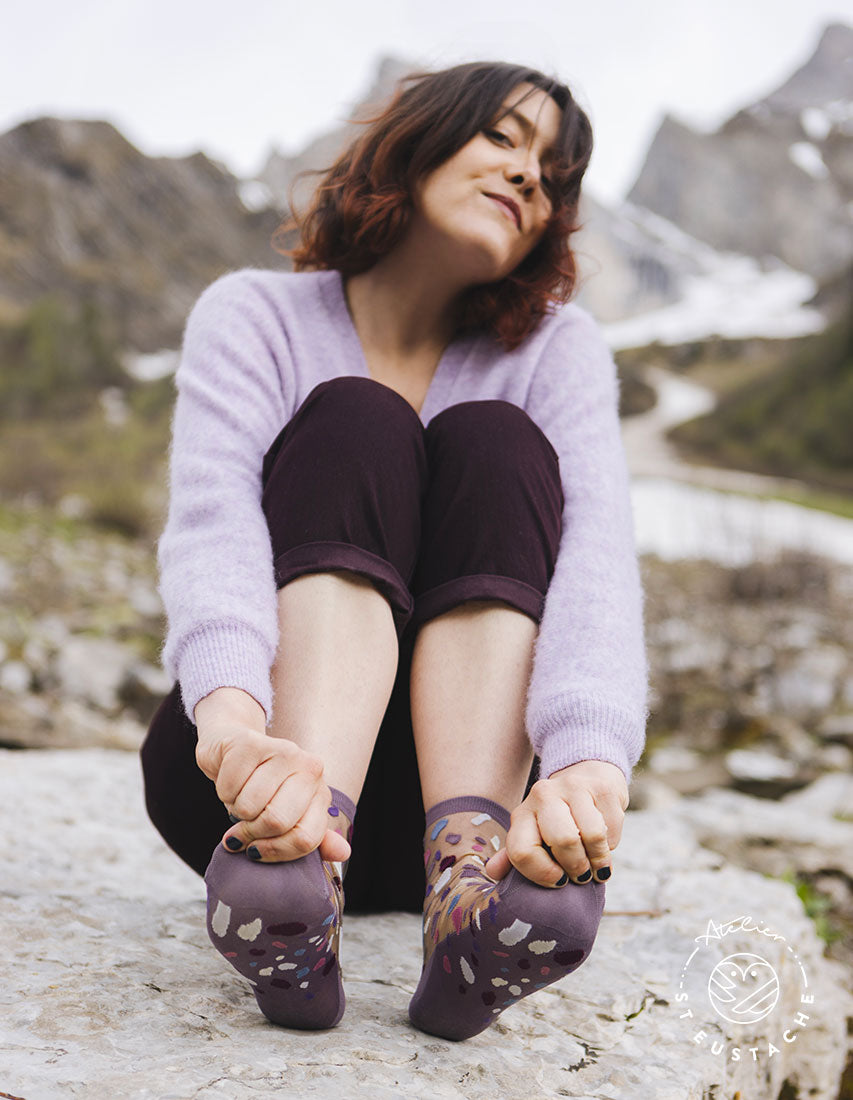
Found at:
<point>487,945</point>
<point>279,924</point>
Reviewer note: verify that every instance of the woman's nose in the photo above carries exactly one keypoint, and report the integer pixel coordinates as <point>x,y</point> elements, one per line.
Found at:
<point>525,175</point>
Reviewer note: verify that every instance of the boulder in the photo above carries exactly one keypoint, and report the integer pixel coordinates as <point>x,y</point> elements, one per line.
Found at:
<point>110,987</point>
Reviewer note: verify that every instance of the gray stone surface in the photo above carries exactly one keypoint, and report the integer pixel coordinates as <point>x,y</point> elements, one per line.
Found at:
<point>109,988</point>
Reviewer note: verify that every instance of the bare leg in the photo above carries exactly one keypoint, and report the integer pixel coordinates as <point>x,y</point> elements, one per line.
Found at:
<point>334,671</point>
<point>470,671</point>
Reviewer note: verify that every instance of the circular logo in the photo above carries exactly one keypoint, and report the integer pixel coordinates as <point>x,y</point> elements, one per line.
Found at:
<point>743,988</point>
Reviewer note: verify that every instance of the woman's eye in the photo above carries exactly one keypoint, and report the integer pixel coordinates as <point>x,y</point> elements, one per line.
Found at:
<point>498,136</point>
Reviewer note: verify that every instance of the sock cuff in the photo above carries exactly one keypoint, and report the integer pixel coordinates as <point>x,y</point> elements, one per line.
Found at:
<point>468,802</point>
<point>344,803</point>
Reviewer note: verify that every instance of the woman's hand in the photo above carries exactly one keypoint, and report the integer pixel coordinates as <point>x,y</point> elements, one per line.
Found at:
<point>273,786</point>
<point>576,815</point>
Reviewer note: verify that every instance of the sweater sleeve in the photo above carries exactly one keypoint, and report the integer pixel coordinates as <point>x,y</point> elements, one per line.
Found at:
<point>588,687</point>
<point>215,557</point>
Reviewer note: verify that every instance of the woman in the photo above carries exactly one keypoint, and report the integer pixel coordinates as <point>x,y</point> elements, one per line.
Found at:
<point>399,509</point>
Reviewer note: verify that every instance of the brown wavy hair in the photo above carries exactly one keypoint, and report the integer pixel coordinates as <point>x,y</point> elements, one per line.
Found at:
<point>362,206</point>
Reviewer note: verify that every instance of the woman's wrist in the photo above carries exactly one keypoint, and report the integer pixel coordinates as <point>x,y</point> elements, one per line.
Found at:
<point>227,705</point>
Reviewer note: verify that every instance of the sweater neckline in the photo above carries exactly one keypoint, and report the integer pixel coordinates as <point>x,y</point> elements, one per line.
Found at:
<point>438,394</point>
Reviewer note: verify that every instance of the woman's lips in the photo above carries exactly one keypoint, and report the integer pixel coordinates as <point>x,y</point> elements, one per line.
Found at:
<point>509,205</point>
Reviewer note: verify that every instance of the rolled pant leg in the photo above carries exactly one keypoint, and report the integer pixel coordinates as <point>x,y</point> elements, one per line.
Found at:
<point>492,517</point>
<point>342,487</point>
<point>491,526</point>
<point>343,484</point>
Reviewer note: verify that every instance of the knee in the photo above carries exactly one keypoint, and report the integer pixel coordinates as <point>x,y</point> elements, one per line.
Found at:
<point>358,416</point>
<point>497,433</point>
<point>363,398</point>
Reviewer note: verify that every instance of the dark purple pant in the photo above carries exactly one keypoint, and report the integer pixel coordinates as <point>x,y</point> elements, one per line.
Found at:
<point>467,508</point>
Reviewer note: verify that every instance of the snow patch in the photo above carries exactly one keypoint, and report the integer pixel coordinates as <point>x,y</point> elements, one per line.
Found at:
<point>723,294</point>
<point>675,520</point>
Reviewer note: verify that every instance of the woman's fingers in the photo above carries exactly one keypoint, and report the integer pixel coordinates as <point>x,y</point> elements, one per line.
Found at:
<point>525,848</point>
<point>272,801</point>
<point>553,840</point>
<point>334,847</point>
<point>293,841</point>
<point>274,759</point>
<point>498,866</point>
<point>594,855</point>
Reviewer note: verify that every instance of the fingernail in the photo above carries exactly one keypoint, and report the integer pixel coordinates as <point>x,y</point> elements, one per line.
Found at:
<point>602,873</point>
<point>254,853</point>
<point>585,877</point>
<point>233,843</point>
<point>233,819</point>
<point>564,878</point>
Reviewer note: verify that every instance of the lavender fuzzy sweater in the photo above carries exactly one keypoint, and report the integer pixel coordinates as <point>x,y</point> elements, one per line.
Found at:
<point>255,344</point>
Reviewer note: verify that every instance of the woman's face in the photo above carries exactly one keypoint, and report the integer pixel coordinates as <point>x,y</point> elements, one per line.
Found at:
<point>491,198</point>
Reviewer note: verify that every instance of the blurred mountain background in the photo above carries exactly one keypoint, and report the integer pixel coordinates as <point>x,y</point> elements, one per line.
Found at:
<point>733,247</point>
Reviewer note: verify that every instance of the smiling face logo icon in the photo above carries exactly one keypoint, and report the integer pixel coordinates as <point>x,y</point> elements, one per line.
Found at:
<point>743,988</point>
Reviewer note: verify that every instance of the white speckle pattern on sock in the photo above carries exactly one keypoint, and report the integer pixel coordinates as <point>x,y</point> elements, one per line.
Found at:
<point>496,843</point>
<point>467,972</point>
<point>539,947</point>
<point>220,919</point>
<point>250,931</point>
<point>442,880</point>
<point>515,933</point>
<point>499,982</point>
<point>515,990</point>
<point>287,966</point>
<point>265,973</point>
<point>480,818</point>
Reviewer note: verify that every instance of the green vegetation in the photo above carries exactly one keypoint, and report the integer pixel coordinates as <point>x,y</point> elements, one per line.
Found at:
<point>55,439</point>
<point>818,906</point>
<point>55,358</point>
<point>794,422</point>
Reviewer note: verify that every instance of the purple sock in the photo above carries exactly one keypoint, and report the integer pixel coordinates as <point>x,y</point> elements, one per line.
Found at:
<point>487,945</point>
<point>279,924</point>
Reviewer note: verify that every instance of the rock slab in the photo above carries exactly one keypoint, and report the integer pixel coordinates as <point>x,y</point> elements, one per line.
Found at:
<point>110,990</point>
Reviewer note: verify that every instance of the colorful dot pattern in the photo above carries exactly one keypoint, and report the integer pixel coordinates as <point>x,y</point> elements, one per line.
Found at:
<point>482,953</point>
<point>253,921</point>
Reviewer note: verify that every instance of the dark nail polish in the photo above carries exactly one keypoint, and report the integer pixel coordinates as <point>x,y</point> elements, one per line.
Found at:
<point>234,843</point>
<point>585,877</point>
<point>254,853</point>
<point>564,878</point>
<point>603,873</point>
<point>233,819</point>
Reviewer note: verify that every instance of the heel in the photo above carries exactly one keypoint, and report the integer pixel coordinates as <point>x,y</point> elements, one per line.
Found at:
<point>278,925</point>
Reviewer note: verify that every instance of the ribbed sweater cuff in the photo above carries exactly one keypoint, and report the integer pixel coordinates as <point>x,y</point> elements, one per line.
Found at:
<point>224,655</point>
<point>571,728</point>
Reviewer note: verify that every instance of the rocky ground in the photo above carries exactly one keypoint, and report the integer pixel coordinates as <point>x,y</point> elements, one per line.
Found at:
<point>110,989</point>
<point>742,804</point>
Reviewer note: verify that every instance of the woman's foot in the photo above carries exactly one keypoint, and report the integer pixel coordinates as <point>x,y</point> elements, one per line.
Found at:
<point>279,924</point>
<point>487,945</point>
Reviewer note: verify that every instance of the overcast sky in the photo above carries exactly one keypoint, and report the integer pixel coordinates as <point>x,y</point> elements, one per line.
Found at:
<point>234,79</point>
